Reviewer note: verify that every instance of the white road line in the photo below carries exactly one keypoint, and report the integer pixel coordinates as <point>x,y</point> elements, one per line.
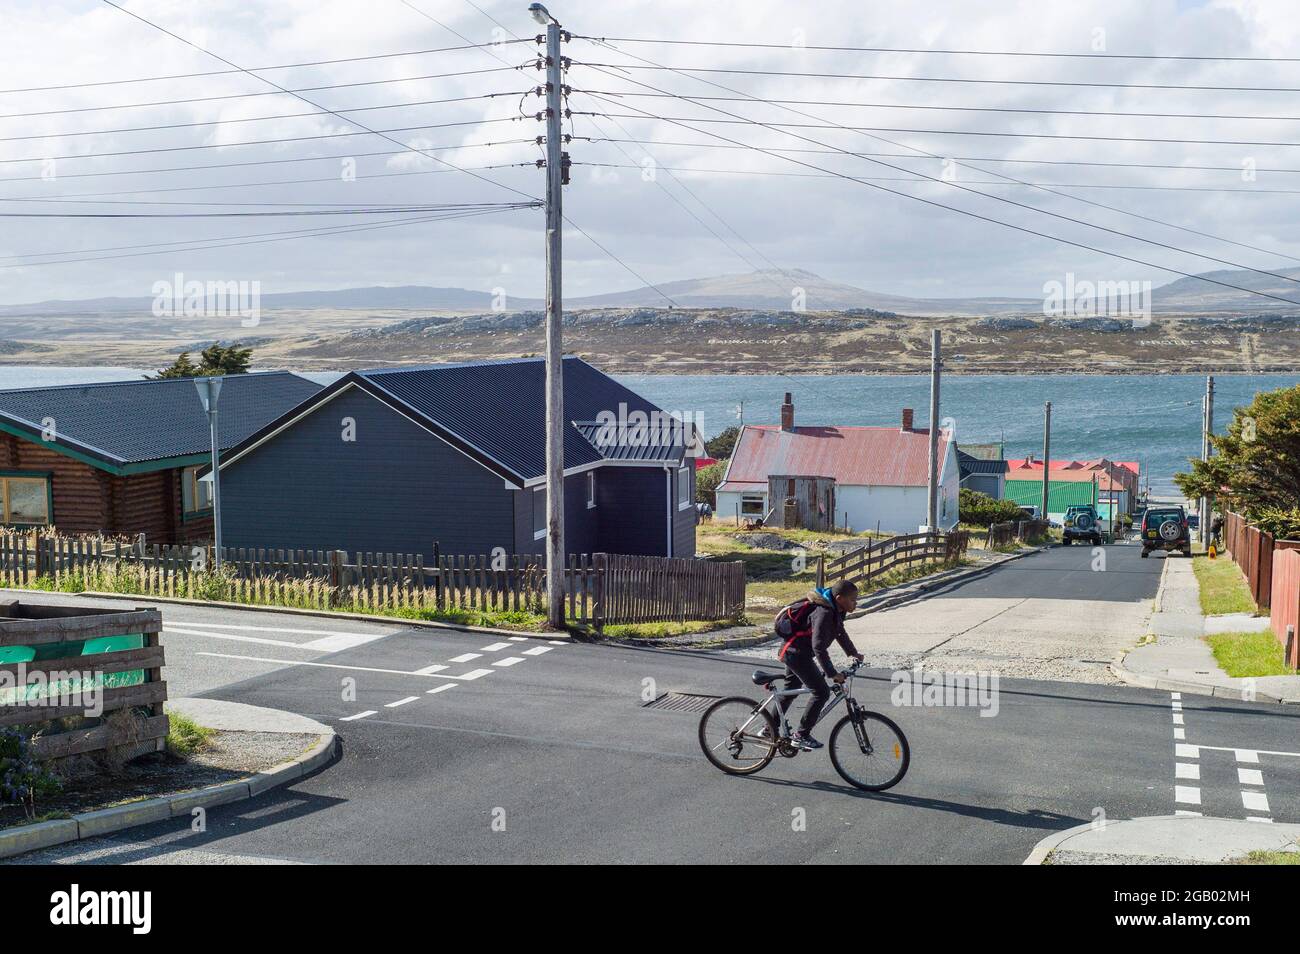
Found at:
<point>1178,718</point>
<point>1187,770</point>
<point>1250,776</point>
<point>1252,754</point>
<point>508,661</point>
<point>496,647</point>
<point>1247,756</point>
<point>1177,706</point>
<point>1183,811</point>
<point>442,688</point>
<point>1254,801</point>
<point>1187,794</point>
<point>1188,751</point>
<point>1175,695</point>
<point>1256,818</point>
<point>537,650</point>
<point>465,657</point>
<point>558,642</point>
<point>1180,733</point>
<point>400,702</point>
<point>430,670</point>
<point>337,642</point>
<point>359,715</point>
<point>262,640</point>
<point>474,674</point>
<point>282,629</point>
<point>517,639</point>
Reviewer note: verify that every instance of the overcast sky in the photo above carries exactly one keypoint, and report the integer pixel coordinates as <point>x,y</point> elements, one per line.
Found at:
<point>840,229</point>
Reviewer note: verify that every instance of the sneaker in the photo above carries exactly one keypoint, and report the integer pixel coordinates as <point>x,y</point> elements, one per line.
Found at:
<point>805,741</point>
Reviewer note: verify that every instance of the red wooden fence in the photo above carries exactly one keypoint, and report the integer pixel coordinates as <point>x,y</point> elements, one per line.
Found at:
<point>1286,600</point>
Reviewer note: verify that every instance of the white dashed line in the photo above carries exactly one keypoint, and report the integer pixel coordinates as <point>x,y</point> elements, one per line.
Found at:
<point>496,647</point>
<point>1184,751</point>
<point>473,674</point>
<point>1248,756</point>
<point>400,702</point>
<point>1183,811</point>
<point>359,715</point>
<point>518,639</point>
<point>465,657</point>
<point>1187,794</point>
<point>537,650</point>
<point>1256,818</point>
<point>430,670</point>
<point>1187,770</point>
<point>1177,706</point>
<point>1180,733</point>
<point>1178,718</point>
<point>508,661</point>
<point>558,642</point>
<point>1250,776</point>
<point>1254,801</point>
<point>442,688</point>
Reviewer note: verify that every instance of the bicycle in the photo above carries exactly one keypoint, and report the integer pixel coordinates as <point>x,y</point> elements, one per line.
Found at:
<point>742,737</point>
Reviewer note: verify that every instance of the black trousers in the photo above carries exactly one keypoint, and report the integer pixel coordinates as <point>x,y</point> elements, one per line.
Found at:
<point>802,670</point>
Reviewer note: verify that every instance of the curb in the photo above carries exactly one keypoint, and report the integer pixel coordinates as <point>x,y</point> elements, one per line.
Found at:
<point>1160,590</point>
<point>322,614</point>
<point>105,821</point>
<point>1049,844</point>
<point>1143,681</point>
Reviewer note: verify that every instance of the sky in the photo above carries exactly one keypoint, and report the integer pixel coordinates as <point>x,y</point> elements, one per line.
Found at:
<point>669,203</point>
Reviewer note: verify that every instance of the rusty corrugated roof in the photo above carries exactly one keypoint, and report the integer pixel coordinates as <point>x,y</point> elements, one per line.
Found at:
<point>854,456</point>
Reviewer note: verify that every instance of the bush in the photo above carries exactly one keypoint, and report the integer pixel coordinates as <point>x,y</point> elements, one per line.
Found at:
<point>706,482</point>
<point>982,510</point>
<point>22,778</point>
<point>1282,524</point>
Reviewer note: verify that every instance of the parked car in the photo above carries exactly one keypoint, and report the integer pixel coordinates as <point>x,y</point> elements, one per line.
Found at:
<point>1030,512</point>
<point>1081,523</point>
<point>1165,528</point>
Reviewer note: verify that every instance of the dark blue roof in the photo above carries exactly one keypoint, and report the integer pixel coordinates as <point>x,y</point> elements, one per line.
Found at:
<point>133,424</point>
<point>494,411</point>
<point>967,464</point>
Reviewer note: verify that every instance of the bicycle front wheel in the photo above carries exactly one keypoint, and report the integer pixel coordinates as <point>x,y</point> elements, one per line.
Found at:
<point>870,752</point>
<point>737,736</point>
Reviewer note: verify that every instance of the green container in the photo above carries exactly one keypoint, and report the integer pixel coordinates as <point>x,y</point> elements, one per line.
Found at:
<point>88,647</point>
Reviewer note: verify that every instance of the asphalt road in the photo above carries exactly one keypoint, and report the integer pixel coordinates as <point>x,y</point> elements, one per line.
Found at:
<point>555,758</point>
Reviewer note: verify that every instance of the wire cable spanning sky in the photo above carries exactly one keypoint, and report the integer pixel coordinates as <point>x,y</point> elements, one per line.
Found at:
<point>1167,116</point>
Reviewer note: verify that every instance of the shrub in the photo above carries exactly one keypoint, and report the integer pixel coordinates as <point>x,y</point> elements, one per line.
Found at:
<point>982,510</point>
<point>23,779</point>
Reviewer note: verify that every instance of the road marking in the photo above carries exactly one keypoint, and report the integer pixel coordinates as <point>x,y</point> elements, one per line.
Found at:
<point>430,670</point>
<point>508,661</point>
<point>537,650</point>
<point>1255,801</point>
<point>1175,695</point>
<point>359,715</point>
<point>1256,818</point>
<point>1187,794</point>
<point>496,647</point>
<point>283,629</point>
<point>558,642</point>
<point>337,642</point>
<point>1252,754</point>
<point>1180,733</point>
<point>1246,755</point>
<point>518,639</point>
<point>442,688</point>
<point>1178,706</point>
<point>465,657</point>
<point>1178,718</point>
<point>262,640</point>
<point>1183,811</point>
<point>474,674</point>
<point>1188,751</point>
<point>1250,776</point>
<point>400,702</point>
<point>1187,770</point>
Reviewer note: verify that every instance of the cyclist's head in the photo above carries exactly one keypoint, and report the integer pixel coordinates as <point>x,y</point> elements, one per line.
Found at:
<point>845,594</point>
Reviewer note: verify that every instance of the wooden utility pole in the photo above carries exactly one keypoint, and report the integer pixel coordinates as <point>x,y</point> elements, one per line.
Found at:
<point>1207,428</point>
<point>554,321</point>
<point>1047,456</point>
<point>932,502</point>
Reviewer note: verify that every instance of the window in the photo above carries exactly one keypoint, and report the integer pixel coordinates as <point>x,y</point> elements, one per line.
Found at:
<point>196,495</point>
<point>591,489</point>
<point>685,486</point>
<point>26,499</point>
<point>752,504</point>
<point>539,513</point>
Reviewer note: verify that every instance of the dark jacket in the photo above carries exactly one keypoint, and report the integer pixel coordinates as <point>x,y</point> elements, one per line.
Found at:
<point>827,624</point>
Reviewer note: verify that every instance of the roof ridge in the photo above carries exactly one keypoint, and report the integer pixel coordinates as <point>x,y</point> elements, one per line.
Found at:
<point>108,384</point>
<point>449,365</point>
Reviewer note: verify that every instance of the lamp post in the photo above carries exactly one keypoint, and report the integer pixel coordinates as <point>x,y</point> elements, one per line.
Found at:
<point>209,390</point>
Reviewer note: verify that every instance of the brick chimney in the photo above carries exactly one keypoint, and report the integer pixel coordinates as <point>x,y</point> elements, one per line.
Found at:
<point>787,413</point>
<point>907,418</point>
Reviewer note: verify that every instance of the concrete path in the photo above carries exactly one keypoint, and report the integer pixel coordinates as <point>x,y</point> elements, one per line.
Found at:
<point>1163,839</point>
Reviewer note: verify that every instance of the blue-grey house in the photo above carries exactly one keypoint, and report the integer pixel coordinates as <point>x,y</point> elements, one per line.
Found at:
<point>393,460</point>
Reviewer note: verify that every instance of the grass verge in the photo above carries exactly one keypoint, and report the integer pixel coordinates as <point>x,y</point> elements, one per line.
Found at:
<point>1249,654</point>
<point>185,736</point>
<point>663,630</point>
<point>1270,858</point>
<point>1223,588</point>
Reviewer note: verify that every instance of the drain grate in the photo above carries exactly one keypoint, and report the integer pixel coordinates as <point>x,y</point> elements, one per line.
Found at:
<point>682,702</point>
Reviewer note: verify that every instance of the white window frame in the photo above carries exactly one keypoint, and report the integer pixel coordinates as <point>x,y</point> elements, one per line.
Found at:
<point>591,490</point>
<point>684,488</point>
<point>6,480</point>
<point>760,499</point>
<point>190,477</point>
<point>538,534</point>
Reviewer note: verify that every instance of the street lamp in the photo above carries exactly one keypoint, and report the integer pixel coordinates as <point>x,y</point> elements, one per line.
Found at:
<point>540,13</point>
<point>209,390</point>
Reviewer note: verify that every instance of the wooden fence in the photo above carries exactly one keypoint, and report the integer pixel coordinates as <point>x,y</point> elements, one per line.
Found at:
<point>599,588</point>
<point>1284,612</point>
<point>892,553</point>
<point>1252,550</point>
<point>78,665</point>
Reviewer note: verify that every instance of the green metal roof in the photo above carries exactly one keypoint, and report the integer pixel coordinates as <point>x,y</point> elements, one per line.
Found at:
<point>1060,493</point>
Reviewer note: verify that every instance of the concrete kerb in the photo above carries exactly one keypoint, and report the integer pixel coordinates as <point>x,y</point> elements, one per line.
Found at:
<point>1187,838</point>
<point>105,821</point>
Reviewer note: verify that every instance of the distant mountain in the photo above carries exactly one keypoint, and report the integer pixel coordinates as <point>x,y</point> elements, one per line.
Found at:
<point>782,290</point>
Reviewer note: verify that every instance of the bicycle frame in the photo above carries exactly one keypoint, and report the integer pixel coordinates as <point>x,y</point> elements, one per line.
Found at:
<point>838,694</point>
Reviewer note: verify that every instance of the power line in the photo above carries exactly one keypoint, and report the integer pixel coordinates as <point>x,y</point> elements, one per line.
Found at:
<point>980,216</point>
<point>789,48</point>
<point>253,119</point>
<point>287,235</point>
<point>256,69</point>
<point>946,79</point>
<point>309,102</point>
<point>1048,190</point>
<point>277,214</point>
<point>269,92</point>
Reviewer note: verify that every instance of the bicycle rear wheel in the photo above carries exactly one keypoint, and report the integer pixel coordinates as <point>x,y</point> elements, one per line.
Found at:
<point>737,736</point>
<point>872,754</point>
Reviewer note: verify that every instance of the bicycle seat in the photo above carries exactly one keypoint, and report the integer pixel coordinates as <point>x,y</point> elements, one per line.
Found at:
<point>762,678</point>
